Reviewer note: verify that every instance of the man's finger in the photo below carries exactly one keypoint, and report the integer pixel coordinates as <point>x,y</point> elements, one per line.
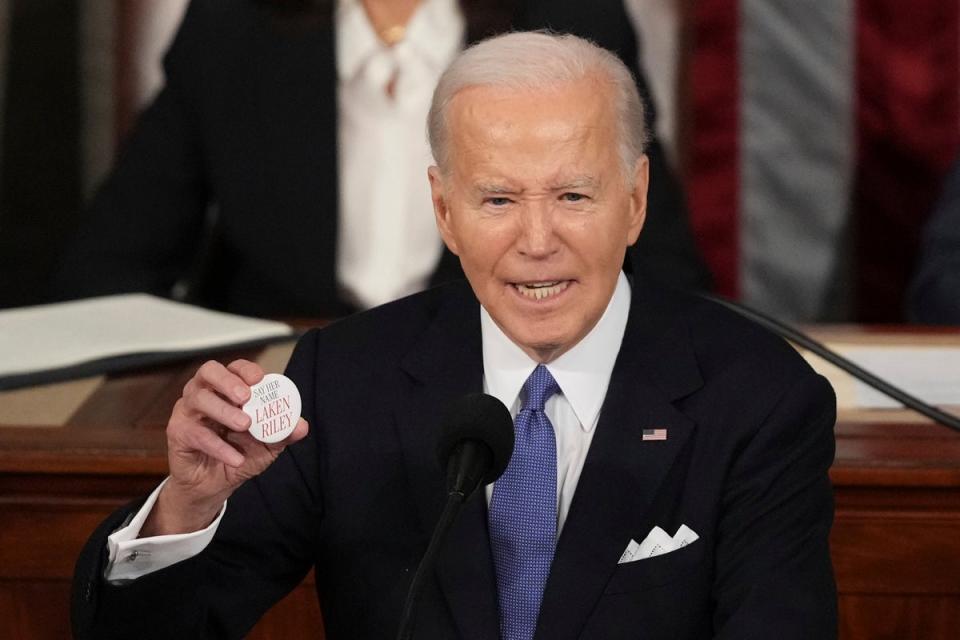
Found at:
<point>299,432</point>
<point>250,372</point>
<point>189,387</point>
<point>216,376</point>
<point>206,403</point>
<point>206,441</point>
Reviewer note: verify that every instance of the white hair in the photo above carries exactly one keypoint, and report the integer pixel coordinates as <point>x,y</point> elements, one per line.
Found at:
<point>527,60</point>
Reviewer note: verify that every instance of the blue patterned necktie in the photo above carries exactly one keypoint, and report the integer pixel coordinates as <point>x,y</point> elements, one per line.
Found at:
<point>523,512</point>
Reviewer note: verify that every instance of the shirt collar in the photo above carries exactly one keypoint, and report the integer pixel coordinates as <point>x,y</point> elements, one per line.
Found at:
<point>583,372</point>
<point>434,35</point>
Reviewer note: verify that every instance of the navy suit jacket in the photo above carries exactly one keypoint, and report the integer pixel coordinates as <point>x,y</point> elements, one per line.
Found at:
<point>749,443</point>
<point>247,124</point>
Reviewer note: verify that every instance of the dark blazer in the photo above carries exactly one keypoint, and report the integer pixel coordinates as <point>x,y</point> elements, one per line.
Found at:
<point>229,180</point>
<point>934,294</point>
<point>749,442</point>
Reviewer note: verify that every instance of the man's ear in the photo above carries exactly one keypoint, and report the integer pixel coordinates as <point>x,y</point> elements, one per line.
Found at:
<point>441,211</point>
<point>638,198</point>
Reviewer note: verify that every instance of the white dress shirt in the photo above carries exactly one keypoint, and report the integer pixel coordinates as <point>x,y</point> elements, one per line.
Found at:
<point>129,557</point>
<point>387,244</point>
<point>582,373</point>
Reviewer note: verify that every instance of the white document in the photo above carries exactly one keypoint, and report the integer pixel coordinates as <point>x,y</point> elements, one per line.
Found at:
<point>928,372</point>
<point>55,336</point>
<point>657,543</point>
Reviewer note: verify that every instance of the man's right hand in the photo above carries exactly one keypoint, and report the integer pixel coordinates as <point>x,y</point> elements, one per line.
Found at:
<point>209,451</point>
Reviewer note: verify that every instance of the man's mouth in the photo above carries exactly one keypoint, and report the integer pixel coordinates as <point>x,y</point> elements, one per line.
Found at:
<point>541,290</point>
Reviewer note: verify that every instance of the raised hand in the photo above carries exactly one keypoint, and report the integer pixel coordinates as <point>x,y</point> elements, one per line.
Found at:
<point>209,451</point>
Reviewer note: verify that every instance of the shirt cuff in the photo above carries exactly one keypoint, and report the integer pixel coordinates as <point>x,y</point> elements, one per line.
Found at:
<point>131,557</point>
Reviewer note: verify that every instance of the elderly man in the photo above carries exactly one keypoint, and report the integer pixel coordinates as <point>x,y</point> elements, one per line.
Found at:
<point>670,473</point>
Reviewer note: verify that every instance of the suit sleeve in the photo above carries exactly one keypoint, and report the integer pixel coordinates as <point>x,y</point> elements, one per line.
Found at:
<point>263,548</point>
<point>773,574</point>
<point>934,296</point>
<point>144,226</point>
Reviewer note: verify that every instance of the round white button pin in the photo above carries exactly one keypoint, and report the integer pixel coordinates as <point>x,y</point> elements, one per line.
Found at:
<point>273,407</point>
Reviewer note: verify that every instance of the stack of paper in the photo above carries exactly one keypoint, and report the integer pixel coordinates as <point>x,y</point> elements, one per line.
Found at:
<point>97,335</point>
<point>929,372</point>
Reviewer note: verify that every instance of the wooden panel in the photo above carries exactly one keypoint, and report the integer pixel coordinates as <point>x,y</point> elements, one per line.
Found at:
<point>34,610</point>
<point>895,553</point>
<point>884,454</point>
<point>867,617</point>
<point>895,544</point>
<point>46,520</point>
<point>48,405</point>
<point>37,543</point>
<point>117,450</point>
<point>296,616</point>
<point>39,610</point>
<point>125,399</point>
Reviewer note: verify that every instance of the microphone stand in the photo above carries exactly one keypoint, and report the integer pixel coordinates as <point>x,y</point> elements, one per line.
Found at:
<point>793,335</point>
<point>467,465</point>
<point>455,500</point>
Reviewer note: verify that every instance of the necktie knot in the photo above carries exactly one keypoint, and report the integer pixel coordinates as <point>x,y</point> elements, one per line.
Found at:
<point>538,388</point>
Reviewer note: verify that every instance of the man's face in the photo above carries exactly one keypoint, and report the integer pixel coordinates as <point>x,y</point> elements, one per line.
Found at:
<point>536,205</point>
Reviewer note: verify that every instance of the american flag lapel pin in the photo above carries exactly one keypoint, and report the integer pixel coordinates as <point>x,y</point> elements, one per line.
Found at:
<point>654,434</point>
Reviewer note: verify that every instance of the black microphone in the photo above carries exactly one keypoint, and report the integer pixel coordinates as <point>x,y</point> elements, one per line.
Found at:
<point>476,443</point>
<point>474,448</point>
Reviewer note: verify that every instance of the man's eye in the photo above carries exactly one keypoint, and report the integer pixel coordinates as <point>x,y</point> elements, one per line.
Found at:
<point>497,202</point>
<point>573,197</point>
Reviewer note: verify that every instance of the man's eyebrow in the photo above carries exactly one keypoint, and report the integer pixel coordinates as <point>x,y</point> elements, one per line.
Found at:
<point>579,182</point>
<point>493,188</point>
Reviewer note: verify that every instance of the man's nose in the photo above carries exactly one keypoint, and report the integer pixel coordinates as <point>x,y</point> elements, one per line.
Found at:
<point>537,237</point>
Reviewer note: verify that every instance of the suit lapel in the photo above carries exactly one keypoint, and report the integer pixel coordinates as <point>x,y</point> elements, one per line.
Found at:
<point>622,473</point>
<point>446,364</point>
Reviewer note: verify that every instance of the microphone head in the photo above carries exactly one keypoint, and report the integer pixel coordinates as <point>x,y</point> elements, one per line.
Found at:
<point>481,418</point>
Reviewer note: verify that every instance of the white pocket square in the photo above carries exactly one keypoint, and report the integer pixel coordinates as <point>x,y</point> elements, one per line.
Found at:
<point>657,543</point>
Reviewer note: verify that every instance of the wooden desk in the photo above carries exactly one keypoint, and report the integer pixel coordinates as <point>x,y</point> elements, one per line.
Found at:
<point>896,540</point>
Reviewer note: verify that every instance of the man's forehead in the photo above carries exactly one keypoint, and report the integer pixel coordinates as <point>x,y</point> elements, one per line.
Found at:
<point>584,101</point>
<point>492,184</point>
<point>509,140</point>
<point>480,128</point>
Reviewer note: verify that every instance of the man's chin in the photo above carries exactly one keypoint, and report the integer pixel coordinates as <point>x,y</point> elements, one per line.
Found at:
<point>543,350</point>
<point>548,352</point>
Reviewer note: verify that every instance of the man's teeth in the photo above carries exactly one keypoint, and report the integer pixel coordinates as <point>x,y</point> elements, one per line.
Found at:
<point>541,290</point>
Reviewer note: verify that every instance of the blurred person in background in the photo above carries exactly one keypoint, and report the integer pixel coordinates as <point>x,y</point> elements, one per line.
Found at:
<point>934,296</point>
<point>288,142</point>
